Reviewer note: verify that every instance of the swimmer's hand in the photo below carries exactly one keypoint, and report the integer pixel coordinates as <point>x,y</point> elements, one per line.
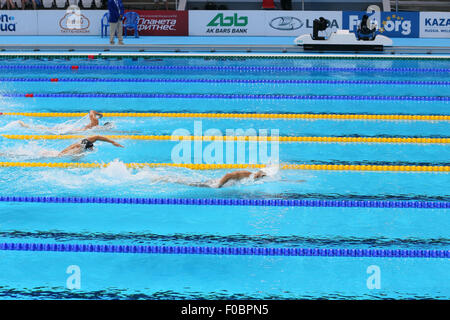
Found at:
<point>297,181</point>
<point>117,144</point>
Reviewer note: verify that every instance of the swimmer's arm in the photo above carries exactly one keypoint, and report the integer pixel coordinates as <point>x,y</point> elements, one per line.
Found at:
<point>233,176</point>
<point>93,117</point>
<point>224,180</point>
<point>23,124</point>
<point>101,138</point>
<point>68,149</point>
<point>95,113</point>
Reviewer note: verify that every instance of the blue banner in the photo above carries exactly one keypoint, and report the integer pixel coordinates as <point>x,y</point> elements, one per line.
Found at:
<point>390,24</point>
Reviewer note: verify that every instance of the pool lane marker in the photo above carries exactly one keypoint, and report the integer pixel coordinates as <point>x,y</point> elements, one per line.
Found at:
<point>220,68</point>
<point>321,167</point>
<point>236,202</point>
<point>227,96</point>
<point>239,81</point>
<point>230,56</point>
<point>402,140</point>
<point>244,251</point>
<point>258,116</point>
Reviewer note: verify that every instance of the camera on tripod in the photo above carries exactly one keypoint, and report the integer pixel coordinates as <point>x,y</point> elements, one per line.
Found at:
<point>320,24</point>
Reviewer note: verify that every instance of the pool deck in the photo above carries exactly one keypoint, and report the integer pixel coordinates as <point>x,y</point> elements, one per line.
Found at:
<point>195,44</point>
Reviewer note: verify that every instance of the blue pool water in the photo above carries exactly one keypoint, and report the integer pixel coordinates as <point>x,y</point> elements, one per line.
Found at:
<point>177,276</point>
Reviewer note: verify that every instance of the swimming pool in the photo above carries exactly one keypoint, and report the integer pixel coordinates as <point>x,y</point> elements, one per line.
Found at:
<point>369,192</point>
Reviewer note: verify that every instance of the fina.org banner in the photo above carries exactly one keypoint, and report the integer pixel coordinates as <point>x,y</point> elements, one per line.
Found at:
<point>390,24</point>
<point>435,24</point>
<point>18,22</point>
<point>69,22</point>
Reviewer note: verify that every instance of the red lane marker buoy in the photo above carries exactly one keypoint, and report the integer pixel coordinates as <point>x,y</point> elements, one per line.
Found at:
<point>1,113</point>
<point>54,79</point>
<point>91,56</point>
<point>29,95</point>
<point>74,67</point>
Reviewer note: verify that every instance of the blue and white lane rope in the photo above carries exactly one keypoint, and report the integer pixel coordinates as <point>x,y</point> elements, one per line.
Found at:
<point>221,68</point>
<point>236,202</point>
<point>226,96</point>
<point>245,251</point>
<point>240,81</point>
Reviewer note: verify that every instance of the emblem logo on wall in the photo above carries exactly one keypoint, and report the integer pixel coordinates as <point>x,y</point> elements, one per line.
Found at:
<point>228,24</point>
<point>228,21</point>
<point>397,24</point>
<point>74,22</point>
<point>286,23</point>
<point>404,24</point>
<point>7,23</point>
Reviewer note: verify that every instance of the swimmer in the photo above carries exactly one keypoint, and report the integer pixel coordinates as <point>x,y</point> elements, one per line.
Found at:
<point>93,117</point>
<point>86,144</point>
<point>232,176</point>
<point>94,120</point>
<point>239,175</point>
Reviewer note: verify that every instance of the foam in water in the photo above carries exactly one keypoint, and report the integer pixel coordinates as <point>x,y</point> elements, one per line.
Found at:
<point>62,128</point>
<point>30,151</point>
<point>67,127</point>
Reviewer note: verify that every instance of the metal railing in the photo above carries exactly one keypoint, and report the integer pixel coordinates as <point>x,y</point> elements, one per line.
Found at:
<point>422,5</point>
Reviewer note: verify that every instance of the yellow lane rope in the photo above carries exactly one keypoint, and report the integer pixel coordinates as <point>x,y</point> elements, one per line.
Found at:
<point>239,138</point>
<point>333,167</point>
<point>261,116</point>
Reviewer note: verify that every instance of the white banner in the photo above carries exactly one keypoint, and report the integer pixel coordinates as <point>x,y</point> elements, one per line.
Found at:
<point>257,23</point>
<point>18,22</point>
<point>69,22</point>
<point>226,23</point>
<point>295,23</point>
<point>435,24</point>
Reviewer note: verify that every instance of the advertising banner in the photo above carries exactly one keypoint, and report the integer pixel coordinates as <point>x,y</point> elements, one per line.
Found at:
<point>435,24</point>
<point>226,23</point>
<point>70,22</point>
<point>390,24</point>
<point>162,23</point>
<point>295,23</point>
<point>18,22</point>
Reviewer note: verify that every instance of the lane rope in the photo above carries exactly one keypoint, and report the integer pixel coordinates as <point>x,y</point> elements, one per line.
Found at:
<point>246,251</point>
<point>222,68</point>
<point>194,166</point>
<point>215,56</point>
<point>225,96</point>
<point>240,81</point>
<point>236,202</point>
<point>402,140</point>
<point>262,116</point>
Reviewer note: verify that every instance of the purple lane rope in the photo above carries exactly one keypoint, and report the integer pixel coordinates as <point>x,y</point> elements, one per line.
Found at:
<point>236,202</point>
<point>245,251</point>
<point>246,81</point>
<point>224,68</point>
<point>224,96</point>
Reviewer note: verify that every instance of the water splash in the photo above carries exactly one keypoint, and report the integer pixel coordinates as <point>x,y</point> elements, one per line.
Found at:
<point>30,151</point>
